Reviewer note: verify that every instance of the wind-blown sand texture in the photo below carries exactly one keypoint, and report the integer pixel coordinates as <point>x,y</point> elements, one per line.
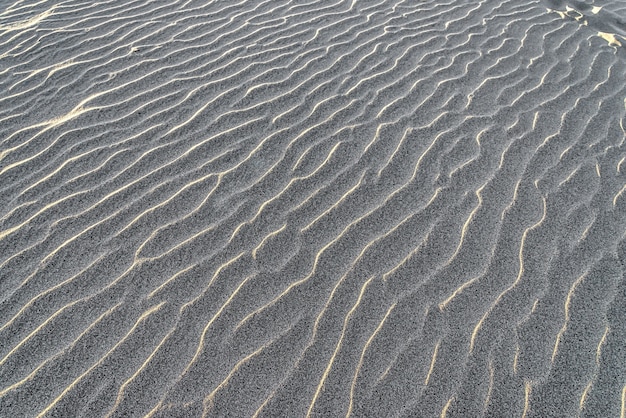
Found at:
<point>288,208</point>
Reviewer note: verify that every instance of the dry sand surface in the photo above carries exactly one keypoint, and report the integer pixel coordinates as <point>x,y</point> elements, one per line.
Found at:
<point>290,208</point>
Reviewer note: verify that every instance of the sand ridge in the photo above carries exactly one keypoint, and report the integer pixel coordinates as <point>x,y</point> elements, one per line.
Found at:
<point>312,208</point>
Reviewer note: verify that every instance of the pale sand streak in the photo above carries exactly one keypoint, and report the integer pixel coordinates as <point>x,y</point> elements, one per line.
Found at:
<point>312,208</point>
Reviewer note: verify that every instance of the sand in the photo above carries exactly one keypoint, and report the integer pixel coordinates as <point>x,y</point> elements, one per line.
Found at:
<point>290,208</point>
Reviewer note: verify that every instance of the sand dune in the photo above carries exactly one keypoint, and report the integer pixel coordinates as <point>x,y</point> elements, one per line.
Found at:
<point>289,208</point>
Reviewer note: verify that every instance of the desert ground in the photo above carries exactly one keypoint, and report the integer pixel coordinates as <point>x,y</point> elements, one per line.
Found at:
<point>312,208</point>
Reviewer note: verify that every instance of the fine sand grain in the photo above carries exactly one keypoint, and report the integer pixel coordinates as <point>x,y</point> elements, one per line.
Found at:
<point>290,208</point>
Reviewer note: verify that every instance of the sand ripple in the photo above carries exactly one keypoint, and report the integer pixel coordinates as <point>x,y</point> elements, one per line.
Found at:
<point>291,208</point>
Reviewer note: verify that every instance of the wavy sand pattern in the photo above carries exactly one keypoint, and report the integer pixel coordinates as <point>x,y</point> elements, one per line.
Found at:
<point>289,208</point>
